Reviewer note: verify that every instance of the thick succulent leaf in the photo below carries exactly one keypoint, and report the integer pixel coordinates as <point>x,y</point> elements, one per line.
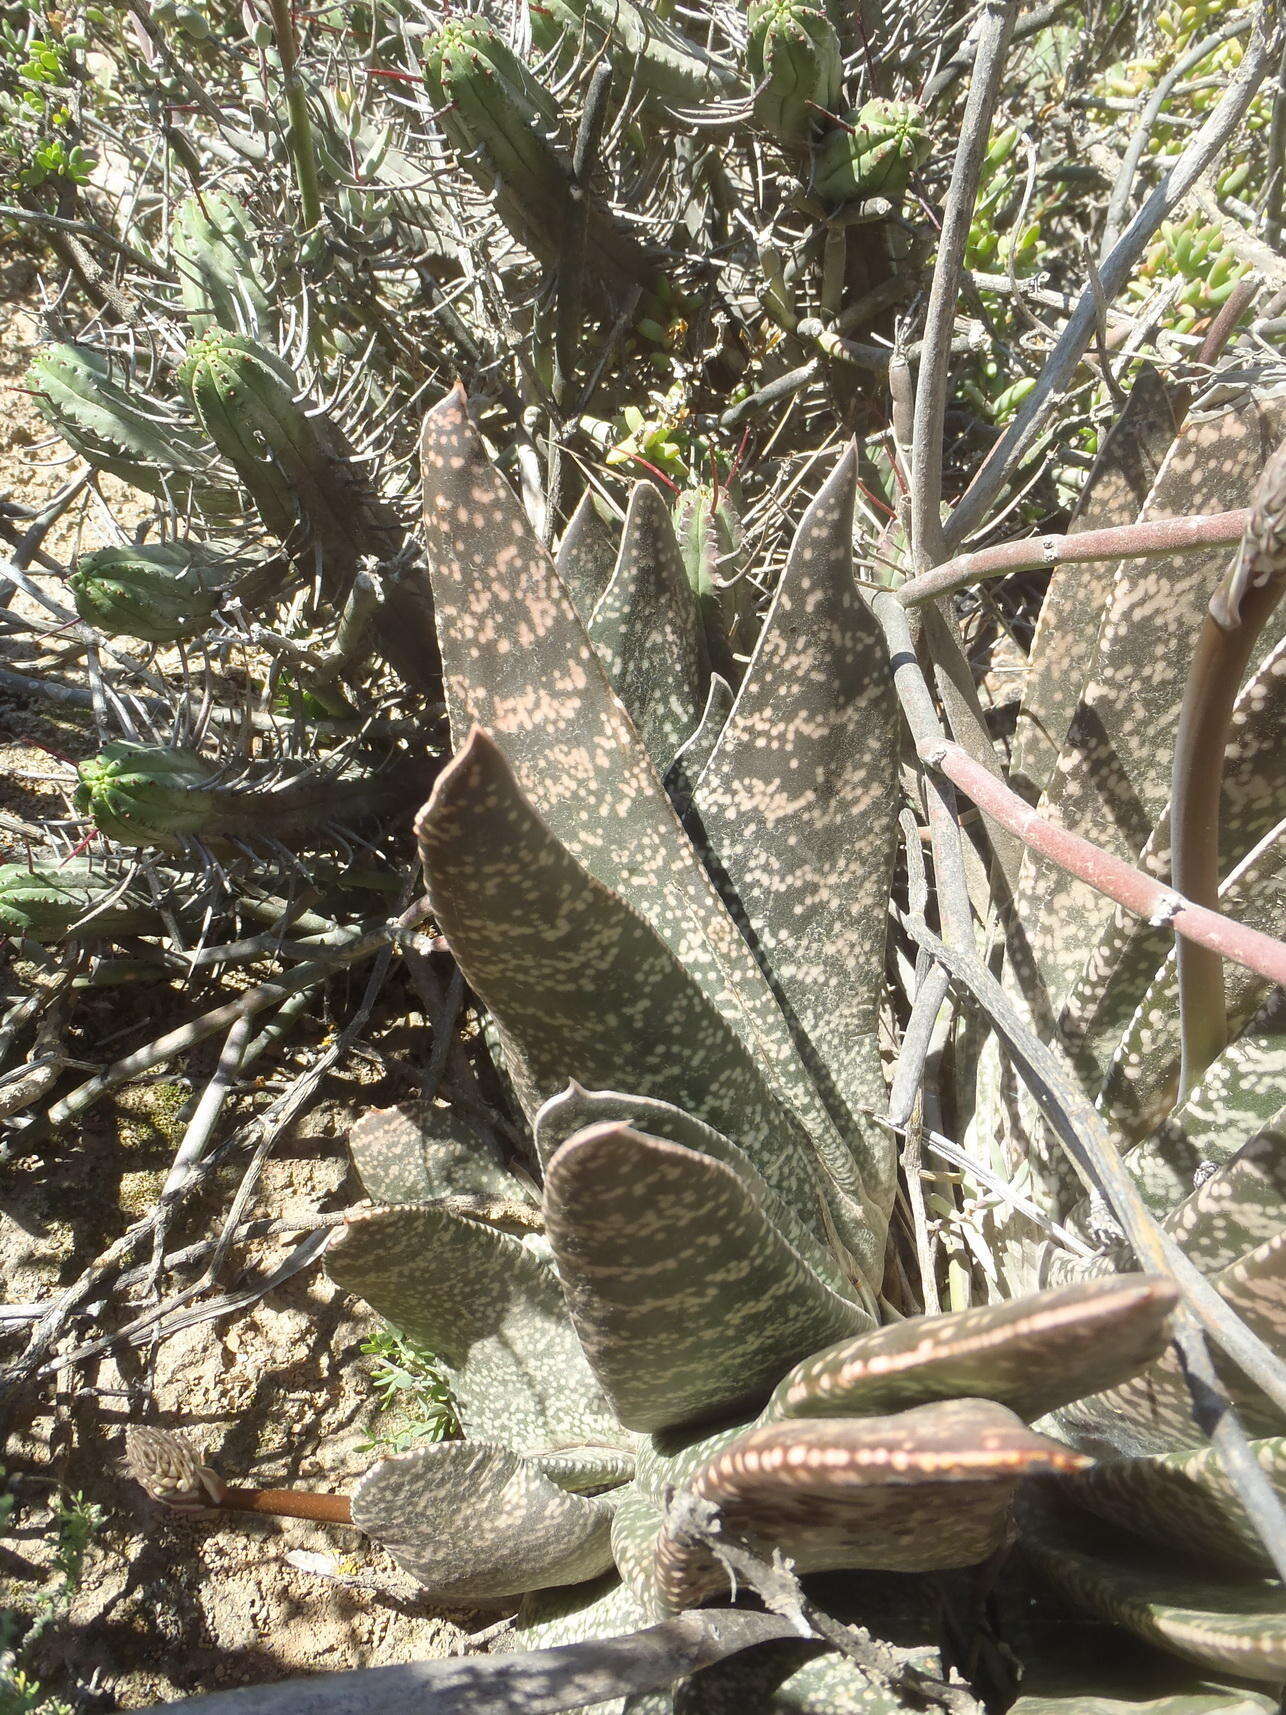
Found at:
<point>578,1613</point>
<point>799,805</point>
<point>1063,649</point>
<point>602,1608</point>
<point>1086,1697</point>
<point>491,1310</point>
<point>1129,953</point>
<point>579,985</point>
<point>1152,1412</point>
<point>1031,1355</point>
<point>799,1679</point>
<point>587,1469</point>
<point>477,1523</point>
<point>576,1109</point>
<point>925,1489</point>
<point>1239,1206</point>
<point>1184,1500</point>
<point>586,556</point>
<point>1224,1626</point>
<point>1113,779</point>
<point>1088,1670</point>
<point>648,632</point>
<point>1241,1094</point>
<point>1140,1084</point>
<point>686,1298</point>
<point>692,756</point>
<point>517,661</point>
<point>419,1151</point>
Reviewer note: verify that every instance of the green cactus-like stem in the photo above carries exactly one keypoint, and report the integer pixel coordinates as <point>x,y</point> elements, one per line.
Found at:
<point>871,153</point>
<point>794,57</point>
<point>50,901</point>
<point>118,433</point>
<point>508,133</point>
<point>143,795</point>
<point>299,471</point>
<point>215,254</point>
<point>646,50</point>
<point>160,594</point>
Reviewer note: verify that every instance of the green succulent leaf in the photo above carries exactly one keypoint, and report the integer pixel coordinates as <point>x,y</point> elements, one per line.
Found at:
<point>1066,640</point>
<point>517,661</point>
<point>1032,1354</point>
<point>1184,1501</point>
<point>648,632</point>
<point>926,1488</point>
<point>576,1109</point>
<point>524,1532</point>
<point>798,807</point>
<point>586,556</point>
<point>578,985</point>
<point>419,1151</point>
<point>1140,1083</point>
<point>1225,1627</point>
<point>1152,1412</point>
<point>1238,1206</point>
<point>687,1300</point>
<point>1113,779</point>
<point>490,1308</point>
<point>693,755</point>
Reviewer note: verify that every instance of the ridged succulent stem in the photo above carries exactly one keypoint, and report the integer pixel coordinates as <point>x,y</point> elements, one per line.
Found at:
<point>303,154</point>
<point>1237,614</point>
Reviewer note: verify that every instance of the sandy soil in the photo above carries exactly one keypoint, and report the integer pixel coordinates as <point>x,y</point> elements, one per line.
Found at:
<point>278,1394</point>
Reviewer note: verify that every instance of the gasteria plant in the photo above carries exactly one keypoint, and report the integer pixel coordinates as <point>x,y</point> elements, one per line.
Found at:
<point>689,1338</point>
<point>729,1322</point>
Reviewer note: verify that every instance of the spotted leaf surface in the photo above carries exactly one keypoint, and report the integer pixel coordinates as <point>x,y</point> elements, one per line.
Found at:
<point>1031,1355</point>
<point>517,661</point>
<point>1152,1412</point>
<point>414,1153</point>
<point>1185,1501</point>
<point>1240,1094</point>
<point>523,1532</point>
<point>795,1679</point>
<point>491,1310</point>
<point>648,633</point>
<point>1066,640</point>
<point>1113,778</point>
<point>1228,1627</point>
<point>1129,952</point>
<point>798,808</point>
<point>692,756</point>
<point>686,1298</point>
<point>1141,1081</point>
<point>577,981</point>
<point>926,1488</point>
<point>586,556</point>
<point>575,1109</point>
<point>1238,1206</point>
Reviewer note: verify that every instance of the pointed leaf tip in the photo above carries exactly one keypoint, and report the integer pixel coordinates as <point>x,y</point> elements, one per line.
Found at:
<point>477,759</point>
